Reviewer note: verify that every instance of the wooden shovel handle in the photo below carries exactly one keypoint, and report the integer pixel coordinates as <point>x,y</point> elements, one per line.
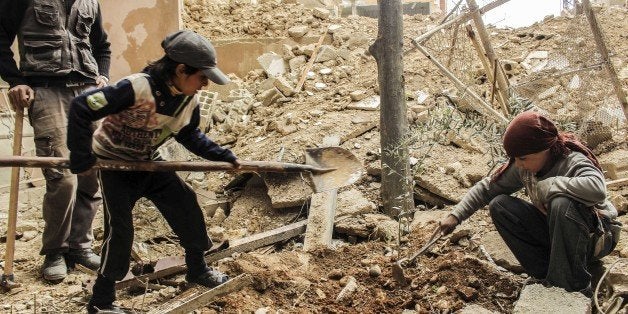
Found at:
<point>13,197</point>
<point>121,165</point>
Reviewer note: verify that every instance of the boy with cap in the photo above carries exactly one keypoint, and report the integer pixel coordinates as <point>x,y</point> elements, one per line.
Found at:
<point>569,222</point>
<point>140,112</point>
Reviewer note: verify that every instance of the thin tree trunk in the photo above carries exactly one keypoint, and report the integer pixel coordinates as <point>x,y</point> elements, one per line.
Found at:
<point>396,188</point>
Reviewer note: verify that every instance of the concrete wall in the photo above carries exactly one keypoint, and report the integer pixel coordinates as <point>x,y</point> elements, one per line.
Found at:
<point>136,29</point>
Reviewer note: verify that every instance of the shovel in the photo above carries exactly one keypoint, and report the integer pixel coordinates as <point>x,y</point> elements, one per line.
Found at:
<point>397,269</point>
<point>327,168</point>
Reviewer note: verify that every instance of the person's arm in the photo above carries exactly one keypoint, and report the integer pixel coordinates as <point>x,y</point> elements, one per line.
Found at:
<point>583,182</point>
<point>485,190</point>
<point>11,15</point>
<point>191,137</point>
<point>100,45</point>
<point>89,107</point>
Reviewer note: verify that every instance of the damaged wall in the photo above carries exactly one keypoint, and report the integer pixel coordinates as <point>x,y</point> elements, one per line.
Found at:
<point>136,39</point>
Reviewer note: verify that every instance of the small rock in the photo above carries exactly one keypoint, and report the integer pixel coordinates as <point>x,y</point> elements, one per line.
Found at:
<point>442,290</point>
<point>375,271</point>
<point>336,274</point>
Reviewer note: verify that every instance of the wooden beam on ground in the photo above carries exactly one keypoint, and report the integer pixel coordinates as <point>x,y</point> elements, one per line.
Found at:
<point>601,47</point>
<point>320,220</point>
<point>365,127</point>
<point>199,296</point>
<point>618,182</point>
<point>487,109</point>
<point>236,246</point>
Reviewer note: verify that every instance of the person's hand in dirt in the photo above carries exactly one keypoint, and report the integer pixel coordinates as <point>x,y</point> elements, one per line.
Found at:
<point>448,224</point>
<point>236,163</point>
<point>21,96</point>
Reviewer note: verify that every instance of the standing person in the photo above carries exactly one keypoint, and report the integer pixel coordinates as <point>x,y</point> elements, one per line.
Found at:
<point>140,112</point>
<point>568,224</point>
<point>63,51</point>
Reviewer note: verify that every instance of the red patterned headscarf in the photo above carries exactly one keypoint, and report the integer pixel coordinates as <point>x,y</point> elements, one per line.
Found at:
<point>530,132</point>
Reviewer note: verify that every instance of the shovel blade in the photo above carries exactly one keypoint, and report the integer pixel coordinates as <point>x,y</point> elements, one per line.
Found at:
<point>347,169</point>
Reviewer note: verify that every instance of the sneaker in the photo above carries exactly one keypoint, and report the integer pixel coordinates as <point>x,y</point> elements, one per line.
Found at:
<point>210,279</point>
<point>54,268</point>
<point>85,257</point>
<point>104,309</point>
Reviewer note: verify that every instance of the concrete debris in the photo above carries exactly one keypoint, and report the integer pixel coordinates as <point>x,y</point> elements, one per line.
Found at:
<point>273,64</point>
<point>499,252</point>
<point>538,299</point>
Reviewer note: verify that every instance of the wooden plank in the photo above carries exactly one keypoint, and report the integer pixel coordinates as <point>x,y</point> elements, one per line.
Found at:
<point>502,82</point>
<point>460,19</point>
<point>199,296</point>
<point>487,109</point>
<point>320,220</point>
<point>240,245</point>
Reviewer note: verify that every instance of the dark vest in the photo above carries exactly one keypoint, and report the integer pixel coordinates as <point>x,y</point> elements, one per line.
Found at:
<point>53,42</point>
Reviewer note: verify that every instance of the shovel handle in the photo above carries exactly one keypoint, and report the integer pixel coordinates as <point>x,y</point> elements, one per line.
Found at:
<point>436,235</point>
<point>13,198</point>
<point>121,165</point>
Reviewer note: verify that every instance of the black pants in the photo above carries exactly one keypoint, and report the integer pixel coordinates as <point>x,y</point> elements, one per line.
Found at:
<point>175,200</point>
<point>557,247</point>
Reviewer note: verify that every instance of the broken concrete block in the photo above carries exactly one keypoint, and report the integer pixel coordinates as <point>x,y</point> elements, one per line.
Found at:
<point>296,63</point>
<point>326,53</point>
<point>619,201</point>
<point>535,61</point>
<point>353,202</point>
<point>284,86</point>
<point>286,189</point>
<point>349,289</point>
<point>272,63</point>
<point>422,218</point>
<point>538,299</point>
<point>298,31</point>
<point>499,251</point>
<point>321,13</point>
<point>475,309</point>
<point>269,96</point>
<point>357,95</point>
<point>370,103</point>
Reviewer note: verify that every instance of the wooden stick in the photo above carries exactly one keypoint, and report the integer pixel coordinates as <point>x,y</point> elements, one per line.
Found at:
<point>310,63</point>
<point>463,88</point>
<point>198,297</point>
<point>601,47</point>
<point>462,18</point>
<point>7,278</point>
<point>502,82</point>
<point>121,165</point>
<point>483,59</point>
<point>618,182</point>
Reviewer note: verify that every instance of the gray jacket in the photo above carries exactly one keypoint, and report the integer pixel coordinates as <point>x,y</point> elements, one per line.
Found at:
<point>56,42</point>
<point>574,176</point>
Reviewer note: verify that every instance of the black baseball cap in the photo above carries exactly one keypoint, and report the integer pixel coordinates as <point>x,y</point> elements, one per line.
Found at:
<point>192,49</point>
